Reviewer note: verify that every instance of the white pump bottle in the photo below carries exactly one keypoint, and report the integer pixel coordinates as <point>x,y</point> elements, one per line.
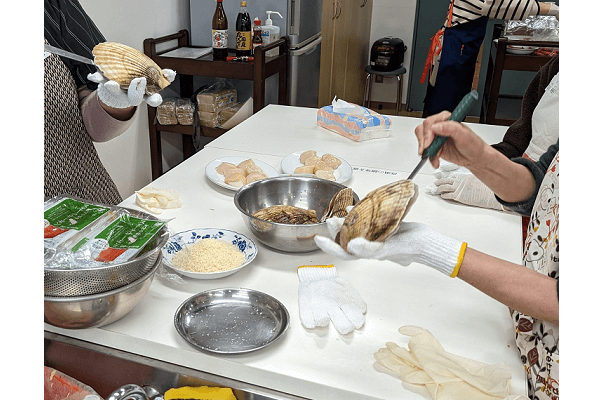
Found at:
<point>271,33</point>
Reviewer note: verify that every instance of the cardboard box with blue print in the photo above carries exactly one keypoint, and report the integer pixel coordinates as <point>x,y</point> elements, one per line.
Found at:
<point>353,121</point>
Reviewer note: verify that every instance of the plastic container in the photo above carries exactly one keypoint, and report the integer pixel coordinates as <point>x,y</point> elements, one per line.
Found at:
<point>270,33</point>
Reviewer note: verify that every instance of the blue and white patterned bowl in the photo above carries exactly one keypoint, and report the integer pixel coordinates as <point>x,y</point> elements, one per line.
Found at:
<point>179,240</point>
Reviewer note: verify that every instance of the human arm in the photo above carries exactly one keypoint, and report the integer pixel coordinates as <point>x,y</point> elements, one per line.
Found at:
<point>549,8</point>
<point>109,110</point>
<point>513,285</point>
<point>510,181</point>
<point>103,123</point>
<point>465,10</point>
<point>532,133</point>
<point>520,288</point>
<point>538,171</point>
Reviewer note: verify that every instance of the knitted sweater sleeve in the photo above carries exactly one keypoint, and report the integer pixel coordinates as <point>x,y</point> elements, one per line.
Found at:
<point>538,169</point>
<point>100,125</point>
<point>517,137</point>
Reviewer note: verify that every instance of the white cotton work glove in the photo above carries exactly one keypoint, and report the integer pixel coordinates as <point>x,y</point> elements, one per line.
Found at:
<point>459,184</point>
<point>443,375</point>
<point>111,94</point>
<point>323,296</point>
<point>414,242</point>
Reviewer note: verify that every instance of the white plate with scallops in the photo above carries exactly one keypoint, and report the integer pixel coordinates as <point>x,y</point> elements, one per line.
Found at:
<point>234,172</point>
<point>324,165</point>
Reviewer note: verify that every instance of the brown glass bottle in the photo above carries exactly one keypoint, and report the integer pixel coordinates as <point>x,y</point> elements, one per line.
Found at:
<point>257,38</point>
<point>219,33</point>
<point>243,32</point>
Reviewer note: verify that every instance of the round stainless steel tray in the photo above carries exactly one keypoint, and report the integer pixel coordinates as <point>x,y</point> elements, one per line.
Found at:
<point>231,321</point>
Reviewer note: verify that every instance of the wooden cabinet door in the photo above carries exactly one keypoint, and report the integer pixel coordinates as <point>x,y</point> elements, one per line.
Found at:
<point>358,50</point>
<point>328,25</point>
<point>346,30</point>
<point>343,22</point>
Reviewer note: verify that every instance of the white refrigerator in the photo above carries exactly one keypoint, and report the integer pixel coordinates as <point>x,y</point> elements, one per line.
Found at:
<point>301,22</point>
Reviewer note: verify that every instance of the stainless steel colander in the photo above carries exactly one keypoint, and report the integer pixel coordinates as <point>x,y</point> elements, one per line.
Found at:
<point>88,281</point>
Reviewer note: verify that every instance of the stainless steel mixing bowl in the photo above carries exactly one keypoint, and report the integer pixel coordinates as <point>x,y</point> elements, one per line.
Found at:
<point>301,191</point>
<point>98,309</point>
<point>87,281</point>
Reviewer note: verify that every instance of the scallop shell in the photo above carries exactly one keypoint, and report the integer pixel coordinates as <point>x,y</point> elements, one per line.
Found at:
<point>122,63</point>
<point>285,214</point>
<point>379,214</point>
<point>338,204</point>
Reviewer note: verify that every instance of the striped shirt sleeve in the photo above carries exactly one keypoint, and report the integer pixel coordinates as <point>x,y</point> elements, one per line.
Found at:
<point>470,10</point>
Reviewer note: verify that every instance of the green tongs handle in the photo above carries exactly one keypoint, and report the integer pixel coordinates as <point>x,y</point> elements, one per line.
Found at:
<point>459,114</point>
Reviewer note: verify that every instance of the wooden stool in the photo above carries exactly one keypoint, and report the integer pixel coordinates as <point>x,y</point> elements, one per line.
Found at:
<point>369,84</point>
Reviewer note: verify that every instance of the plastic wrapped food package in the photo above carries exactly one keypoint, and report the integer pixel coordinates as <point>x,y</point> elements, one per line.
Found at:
<point>184,110</point>
<point>216,97</point>
<point>208,119</point>
<point>59,386</point>
<point>165,112</point>
<point>217,119</point>
<point>115,236</point>
<point>64,217</point>
<point>226,114</point>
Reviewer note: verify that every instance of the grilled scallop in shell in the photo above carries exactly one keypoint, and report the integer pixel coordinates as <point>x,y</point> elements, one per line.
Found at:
<point>122,64</point>
<point>286,214</point>
<point>338,204</point>
<point>379,214</point>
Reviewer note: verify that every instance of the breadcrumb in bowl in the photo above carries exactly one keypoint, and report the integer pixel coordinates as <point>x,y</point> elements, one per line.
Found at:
<point>208,253</point>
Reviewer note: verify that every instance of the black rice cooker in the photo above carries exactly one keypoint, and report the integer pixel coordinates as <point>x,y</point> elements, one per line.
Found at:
<point>387,54</point>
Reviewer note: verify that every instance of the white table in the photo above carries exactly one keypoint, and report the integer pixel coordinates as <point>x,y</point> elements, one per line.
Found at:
<point>322,364</point>
<point>280,130</point>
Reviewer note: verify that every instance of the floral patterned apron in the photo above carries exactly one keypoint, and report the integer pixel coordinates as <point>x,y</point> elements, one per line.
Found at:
<point>537,340</point>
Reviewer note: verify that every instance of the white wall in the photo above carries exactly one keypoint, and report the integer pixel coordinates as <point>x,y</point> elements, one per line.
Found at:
<point>393,18</point>
<point>127,158</point>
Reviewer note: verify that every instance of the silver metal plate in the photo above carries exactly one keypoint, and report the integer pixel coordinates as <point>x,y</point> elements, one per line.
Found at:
<point>231,321</point>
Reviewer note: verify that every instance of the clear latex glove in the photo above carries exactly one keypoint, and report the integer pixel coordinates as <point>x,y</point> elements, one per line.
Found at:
<point>442,375</point>
<point>414,242</point>
<point>323,296</point>
<point>459,184</point>
<point>111,94</point>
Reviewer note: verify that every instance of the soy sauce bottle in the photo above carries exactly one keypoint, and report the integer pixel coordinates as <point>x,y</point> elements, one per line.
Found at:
<point>257,37</point>
<point>243,32</point>
<point>219,33</point>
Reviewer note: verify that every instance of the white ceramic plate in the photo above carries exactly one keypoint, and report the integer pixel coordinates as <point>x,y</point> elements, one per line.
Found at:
<point>292,161</point>
<point>179,240</point>
<point>211,171</point>
<point>519,49</point>
<point>522,50</point>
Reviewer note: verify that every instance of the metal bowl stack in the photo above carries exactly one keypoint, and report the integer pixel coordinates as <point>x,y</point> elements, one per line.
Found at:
<point>300,191</point>
<point>93,297</point>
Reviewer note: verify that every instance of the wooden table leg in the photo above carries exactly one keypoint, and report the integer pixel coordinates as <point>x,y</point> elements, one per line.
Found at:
<point>188,146</point>
<point>283,80</point>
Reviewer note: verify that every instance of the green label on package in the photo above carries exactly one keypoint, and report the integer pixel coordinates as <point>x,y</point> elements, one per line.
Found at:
<point>130,232</point>
<point>73,214</point>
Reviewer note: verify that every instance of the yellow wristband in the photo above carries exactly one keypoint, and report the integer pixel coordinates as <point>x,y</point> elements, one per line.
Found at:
<point>461,256</point>
<point>316,266</point>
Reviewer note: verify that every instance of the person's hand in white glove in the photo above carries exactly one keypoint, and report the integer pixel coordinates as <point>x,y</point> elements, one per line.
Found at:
<point>323,296</point>
<point>111,94</point>
<point>459,184</point>
<point>414,242</point>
